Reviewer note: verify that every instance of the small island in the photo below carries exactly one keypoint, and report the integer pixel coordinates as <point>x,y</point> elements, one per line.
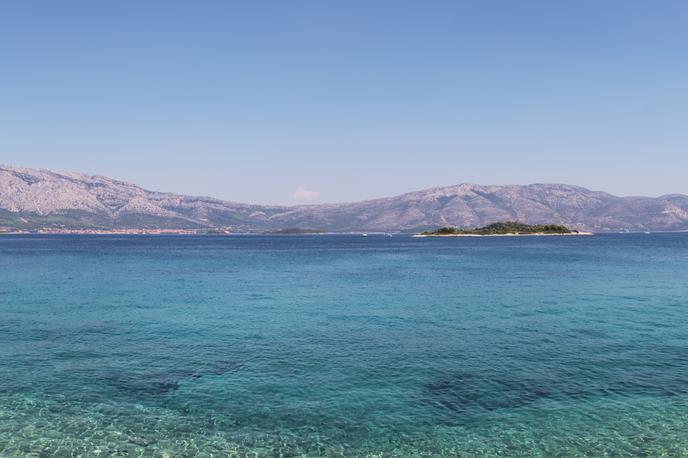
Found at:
<point>296,231</point>
<point>508,228</point>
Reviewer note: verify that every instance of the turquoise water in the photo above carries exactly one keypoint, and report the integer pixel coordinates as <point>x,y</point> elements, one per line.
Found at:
<point>344,346</point>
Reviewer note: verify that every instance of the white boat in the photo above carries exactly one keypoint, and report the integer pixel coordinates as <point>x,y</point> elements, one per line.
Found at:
<point>364,234</point>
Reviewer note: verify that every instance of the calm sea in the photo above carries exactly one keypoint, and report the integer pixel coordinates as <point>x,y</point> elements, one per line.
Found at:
<point>343,346</point>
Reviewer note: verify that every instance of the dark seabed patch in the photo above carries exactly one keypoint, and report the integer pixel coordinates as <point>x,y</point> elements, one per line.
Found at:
<point>344,346</point>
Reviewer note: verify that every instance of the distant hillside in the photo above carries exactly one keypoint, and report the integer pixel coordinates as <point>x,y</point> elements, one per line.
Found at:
<point>32,199</point>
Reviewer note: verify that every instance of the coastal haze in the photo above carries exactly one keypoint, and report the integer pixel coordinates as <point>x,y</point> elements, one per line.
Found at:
<point>39,200</point>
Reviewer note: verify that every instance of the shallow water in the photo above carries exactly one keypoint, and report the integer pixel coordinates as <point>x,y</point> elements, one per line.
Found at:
<point>344,346</point>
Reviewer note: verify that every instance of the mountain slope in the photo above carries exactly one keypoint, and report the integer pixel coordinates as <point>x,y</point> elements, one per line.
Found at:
<point>82,201</point>
<point>471,205</point>
<point>32,199</point>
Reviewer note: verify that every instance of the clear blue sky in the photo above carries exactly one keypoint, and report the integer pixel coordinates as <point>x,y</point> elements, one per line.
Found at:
<point>252,100</point>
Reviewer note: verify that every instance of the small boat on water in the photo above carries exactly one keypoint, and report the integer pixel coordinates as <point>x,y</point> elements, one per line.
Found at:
<point>364,234</point>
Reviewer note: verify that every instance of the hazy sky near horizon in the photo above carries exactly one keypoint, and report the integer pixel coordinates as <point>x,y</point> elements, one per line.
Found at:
<point>320,101</point>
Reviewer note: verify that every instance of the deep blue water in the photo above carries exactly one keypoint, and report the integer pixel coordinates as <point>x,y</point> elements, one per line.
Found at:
<point>343,346</point>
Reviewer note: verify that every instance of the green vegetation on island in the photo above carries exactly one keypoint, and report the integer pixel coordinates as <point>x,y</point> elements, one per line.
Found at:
<point>505,228</point>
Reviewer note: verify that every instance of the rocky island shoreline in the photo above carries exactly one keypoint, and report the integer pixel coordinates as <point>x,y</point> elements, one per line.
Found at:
<point>504,229</point>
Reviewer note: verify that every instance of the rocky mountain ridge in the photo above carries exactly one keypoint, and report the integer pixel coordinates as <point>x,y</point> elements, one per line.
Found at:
<point>32,199</point>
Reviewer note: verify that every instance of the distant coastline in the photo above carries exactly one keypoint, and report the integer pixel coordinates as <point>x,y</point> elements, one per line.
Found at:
<point>221,233</point>
<point>33,200</point>
<point>111,232</point>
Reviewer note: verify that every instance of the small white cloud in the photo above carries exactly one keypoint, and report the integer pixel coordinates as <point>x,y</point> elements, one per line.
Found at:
<point>304,195</point>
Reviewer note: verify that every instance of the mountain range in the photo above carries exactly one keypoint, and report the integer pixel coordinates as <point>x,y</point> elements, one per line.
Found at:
<point>32,199</point>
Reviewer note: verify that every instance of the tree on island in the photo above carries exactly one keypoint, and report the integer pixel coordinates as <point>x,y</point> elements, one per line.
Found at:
<point>506,227</point>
